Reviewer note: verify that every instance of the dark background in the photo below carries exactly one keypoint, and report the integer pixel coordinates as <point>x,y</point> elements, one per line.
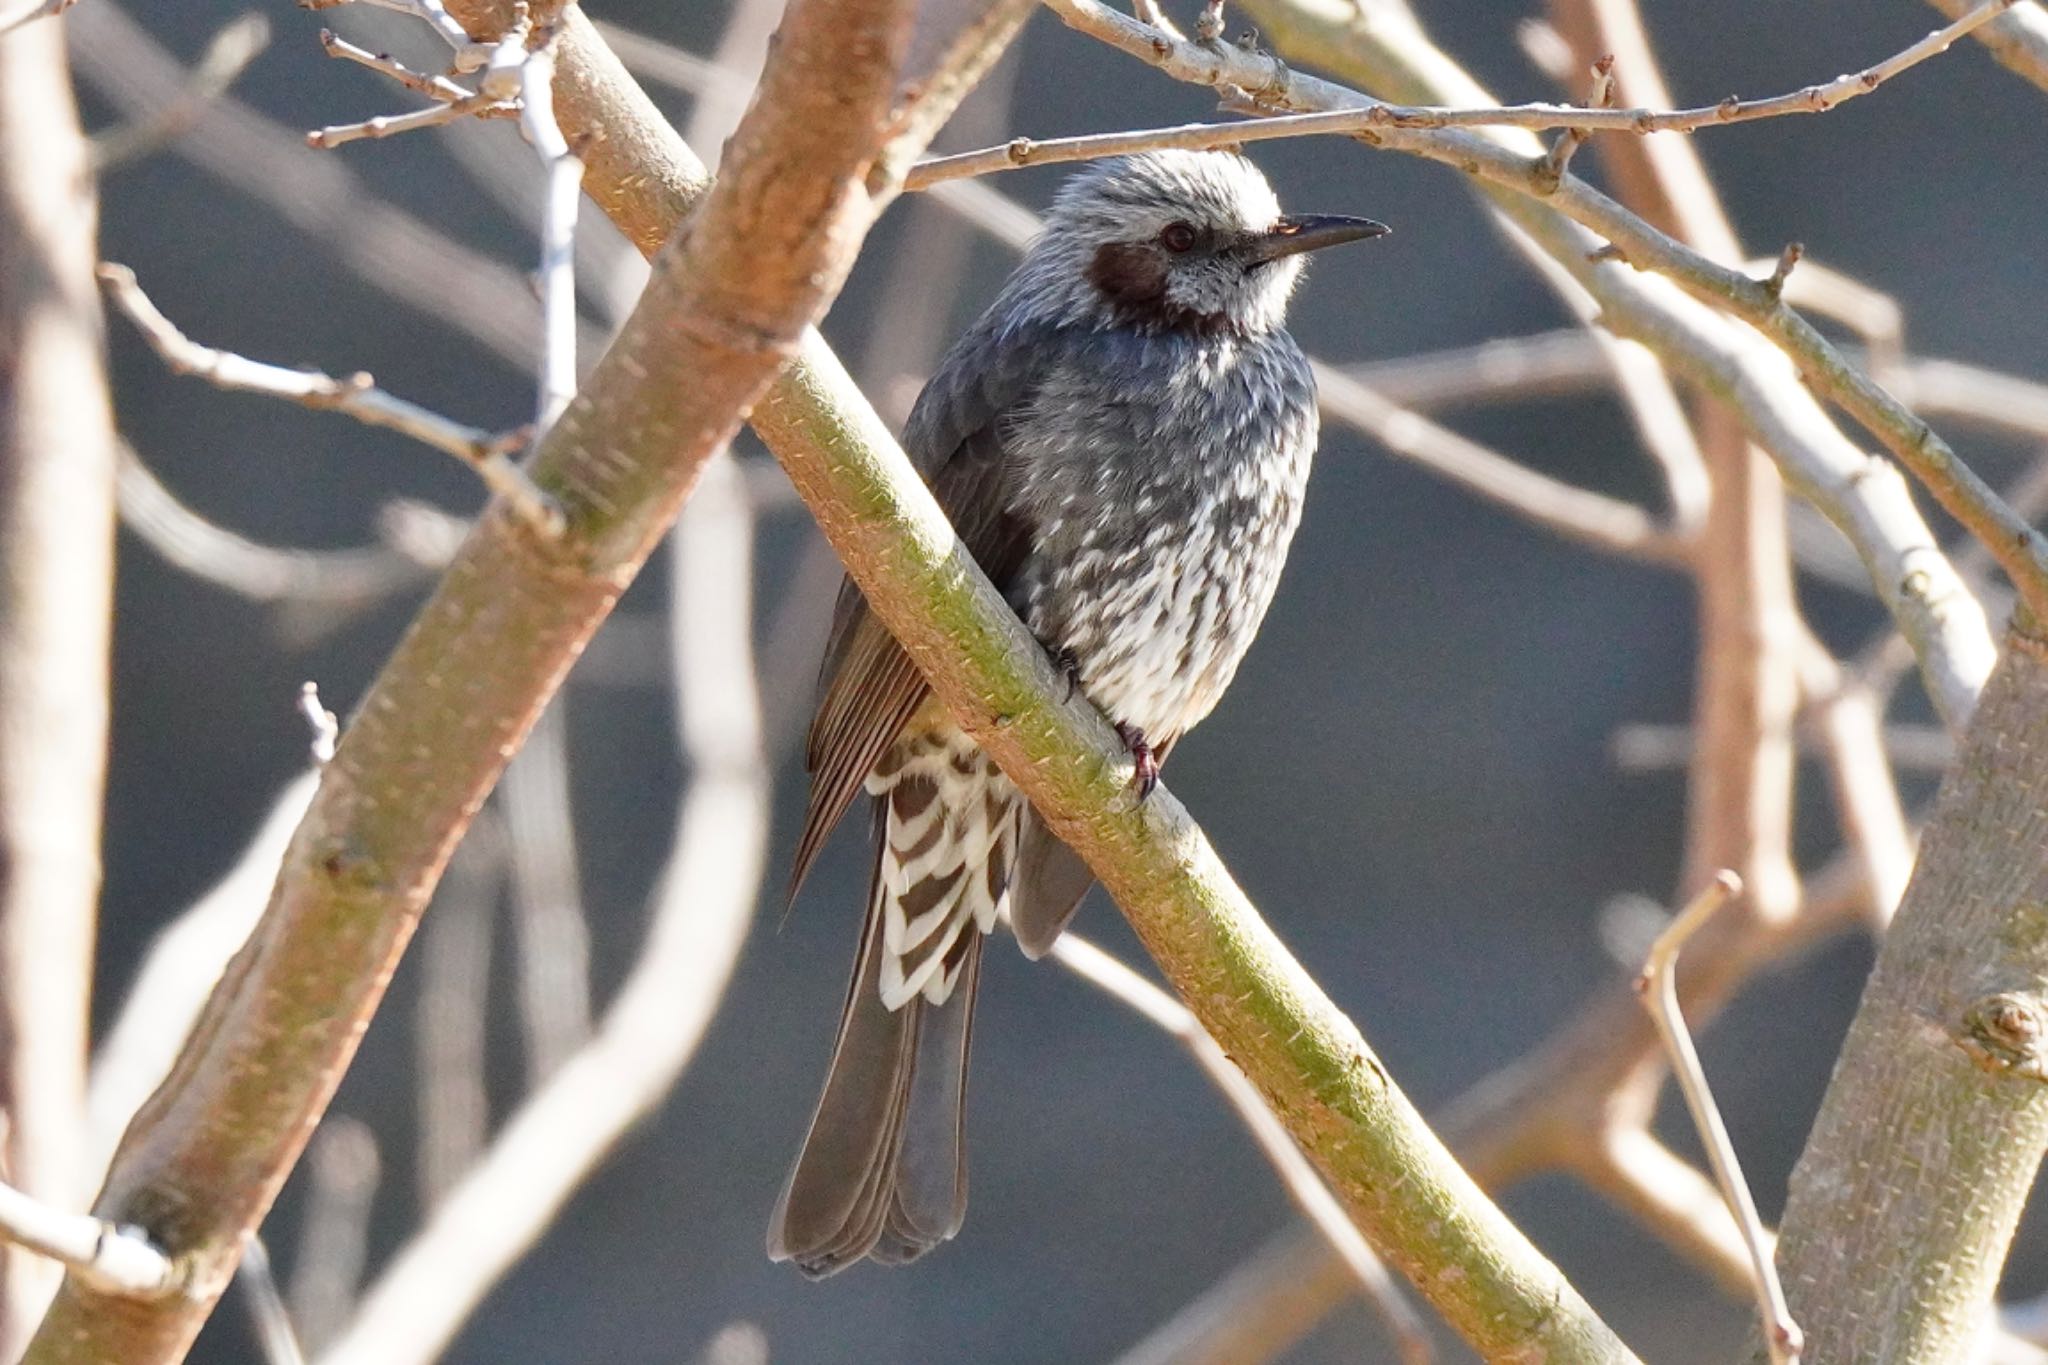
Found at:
<point>1411,777</point>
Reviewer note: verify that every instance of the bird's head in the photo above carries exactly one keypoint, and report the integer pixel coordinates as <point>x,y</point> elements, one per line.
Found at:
<point>1183,240</point>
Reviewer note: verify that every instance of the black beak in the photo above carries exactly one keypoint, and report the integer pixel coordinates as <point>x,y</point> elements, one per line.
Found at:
<point>1307,232</point>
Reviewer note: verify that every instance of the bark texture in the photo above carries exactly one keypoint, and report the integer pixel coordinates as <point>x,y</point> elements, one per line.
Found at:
<point>1934,1125</point>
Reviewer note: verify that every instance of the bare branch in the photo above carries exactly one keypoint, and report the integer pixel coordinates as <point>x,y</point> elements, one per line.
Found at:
<point>321,721</point>
<point>433,87</point>
<point>536,77</point>
<point>469,56</point>
<point>1865,498</point>
<point>273,1322</point>
<point>1559,158</point>
<point>1813,99</point>
<point>356,396</point>
<point>117,1261</point>
<point>392,251</point>
<point>1657,984</point>
<point>391,125</point>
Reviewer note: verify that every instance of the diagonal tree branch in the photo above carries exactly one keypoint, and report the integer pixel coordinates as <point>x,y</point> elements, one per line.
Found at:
<point>1308,1060</point>
<point>727,305</point>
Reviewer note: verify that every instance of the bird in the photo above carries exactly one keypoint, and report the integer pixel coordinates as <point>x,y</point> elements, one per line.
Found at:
<point>1122,440</point>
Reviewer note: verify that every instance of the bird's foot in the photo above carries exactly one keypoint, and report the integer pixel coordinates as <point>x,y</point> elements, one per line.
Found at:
<point>1069,665</point>
<point>1146,774</point>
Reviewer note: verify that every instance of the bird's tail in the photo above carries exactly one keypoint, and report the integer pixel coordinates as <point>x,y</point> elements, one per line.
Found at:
<point>883,1171</point>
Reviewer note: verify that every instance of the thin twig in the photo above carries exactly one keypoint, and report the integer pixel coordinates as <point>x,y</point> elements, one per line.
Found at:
<point>1559,158</point>
<point>391,125</point>
<point>326,729</point>
<point>1812,99</point>
<point>432,86</point>
<point>396,253</point>
<point>1647,748</point>
<point>119,1261</point>
<point>273,1322</point>
<point>536,75</point>
<point>357,397</point>
<point>1866,498</point>
<point>1297,1175</point>
<point>1774,283</point>
<point>1658,987</point>
<point>470,55</point>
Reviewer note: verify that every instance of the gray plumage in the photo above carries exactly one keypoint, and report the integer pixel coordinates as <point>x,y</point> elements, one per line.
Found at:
<point>1122,440</point>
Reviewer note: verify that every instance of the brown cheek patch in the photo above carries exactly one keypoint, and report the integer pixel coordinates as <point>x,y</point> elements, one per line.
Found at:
<point>1132,276</point>
<point>1129,272</point>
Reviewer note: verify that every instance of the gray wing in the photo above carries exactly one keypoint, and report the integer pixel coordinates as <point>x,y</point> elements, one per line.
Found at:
<point>868,687</point>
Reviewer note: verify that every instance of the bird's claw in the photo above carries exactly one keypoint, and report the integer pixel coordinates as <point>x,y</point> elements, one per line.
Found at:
<point>1069,665</point>
<point>1145,774</point>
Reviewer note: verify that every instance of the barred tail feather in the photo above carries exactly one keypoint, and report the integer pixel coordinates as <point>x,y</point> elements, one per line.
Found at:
<point>948,845</point>
<point>883,1171</point>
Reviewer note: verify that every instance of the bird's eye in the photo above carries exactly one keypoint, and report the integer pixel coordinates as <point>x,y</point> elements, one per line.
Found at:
<point>1177,237</point>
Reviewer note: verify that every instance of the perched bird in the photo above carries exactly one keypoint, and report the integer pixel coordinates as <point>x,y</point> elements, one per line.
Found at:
<point>1122,441</point>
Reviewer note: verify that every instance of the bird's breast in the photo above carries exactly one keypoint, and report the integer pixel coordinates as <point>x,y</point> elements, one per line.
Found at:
<point>1164,488</point>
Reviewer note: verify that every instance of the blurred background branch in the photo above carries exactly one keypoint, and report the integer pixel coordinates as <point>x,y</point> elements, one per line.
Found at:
<point>57,456</point>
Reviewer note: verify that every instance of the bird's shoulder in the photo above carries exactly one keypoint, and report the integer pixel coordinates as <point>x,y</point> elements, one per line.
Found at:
<point>994,369</point>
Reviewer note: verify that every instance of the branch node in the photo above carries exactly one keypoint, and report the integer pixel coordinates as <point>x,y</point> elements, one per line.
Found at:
<point>1658,985</point>
<point>2007,1032</point>
<point>1550,172</point>
<point>1774,283</point>
<point>326,729</point>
